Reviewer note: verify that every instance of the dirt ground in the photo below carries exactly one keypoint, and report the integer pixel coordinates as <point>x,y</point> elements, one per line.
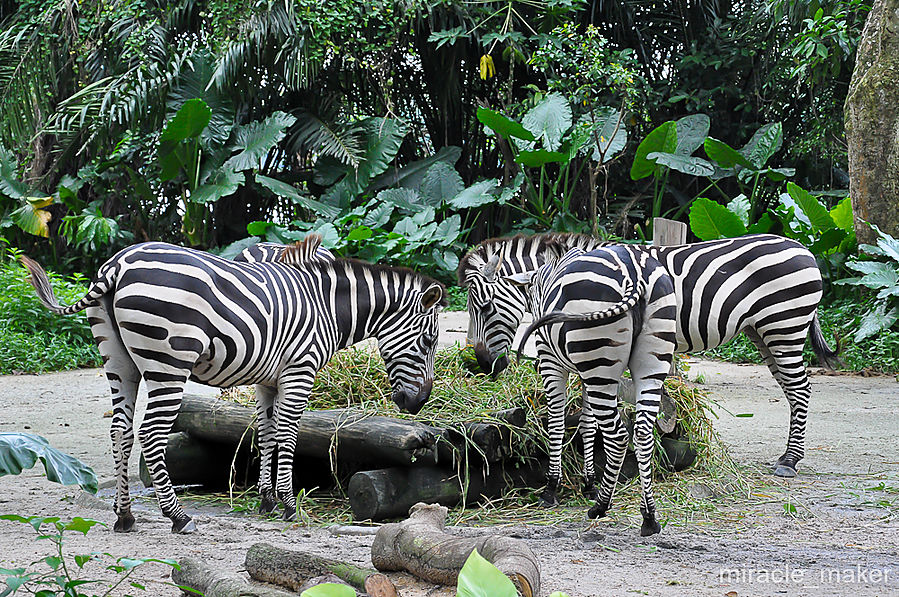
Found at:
<point>833,530</point>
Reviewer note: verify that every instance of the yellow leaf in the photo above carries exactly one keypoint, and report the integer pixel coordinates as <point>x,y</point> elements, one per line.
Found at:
<point>487,68</point>
<point>39,202</point>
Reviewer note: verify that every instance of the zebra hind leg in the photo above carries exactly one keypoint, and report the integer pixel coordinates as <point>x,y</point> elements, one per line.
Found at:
<point>554,383</point>
<point>614,436</point>
<point>587,425</point>
<point>790,373</point>
<point>164,390</point>
<point>265,406</point>
<point>124,378</point>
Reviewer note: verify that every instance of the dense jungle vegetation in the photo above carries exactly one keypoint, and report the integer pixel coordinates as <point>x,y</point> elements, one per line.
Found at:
<point>407,131</point>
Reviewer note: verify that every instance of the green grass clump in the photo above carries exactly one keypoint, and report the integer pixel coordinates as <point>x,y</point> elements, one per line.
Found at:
<point>34,340</point>
<point>879,353</point>
<point>457,297</point>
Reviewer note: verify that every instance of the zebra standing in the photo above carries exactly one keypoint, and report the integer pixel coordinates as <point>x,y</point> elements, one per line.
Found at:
<point>165,314</point>
<point>597,314</point>
<point>766,286</point>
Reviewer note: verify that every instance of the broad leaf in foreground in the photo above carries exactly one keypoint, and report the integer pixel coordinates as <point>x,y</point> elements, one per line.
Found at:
<point>19,451</point>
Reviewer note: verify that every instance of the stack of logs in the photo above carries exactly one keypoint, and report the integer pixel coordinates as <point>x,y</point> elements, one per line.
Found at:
<point>388,464</point>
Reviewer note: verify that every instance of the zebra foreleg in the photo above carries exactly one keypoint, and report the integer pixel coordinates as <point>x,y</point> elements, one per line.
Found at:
<point>554,383</point>
<point>293,394</point>
<point>265,417</point>
<point>164,390</point>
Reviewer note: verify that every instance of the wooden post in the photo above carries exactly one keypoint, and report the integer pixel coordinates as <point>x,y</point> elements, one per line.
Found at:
<point>667,232</point>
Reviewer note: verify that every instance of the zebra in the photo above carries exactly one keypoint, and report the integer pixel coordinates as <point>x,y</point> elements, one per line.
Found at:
<point>165,314</point>
<point>596,314</point>
<point>764,285</point>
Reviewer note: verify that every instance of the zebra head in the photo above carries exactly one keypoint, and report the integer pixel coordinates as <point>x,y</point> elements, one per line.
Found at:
<point>495,310</point>
<point>408,345</point>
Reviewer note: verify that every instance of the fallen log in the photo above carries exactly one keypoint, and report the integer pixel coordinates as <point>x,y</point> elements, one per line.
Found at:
<point>205,580</point>
<point>292,569</point>
<point>389,493</point>
<point>421,546</point>
<point>353,435</point>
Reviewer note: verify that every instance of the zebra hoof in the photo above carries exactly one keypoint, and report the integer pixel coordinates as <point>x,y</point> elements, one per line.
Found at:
<point>548,499</point>
<point>290,514</point>
<point>267,506</point>
<point>124,524</point>
<point>597,511</point>
<point>184,527</point>
<point>784,470</point>
<point>650,527</point>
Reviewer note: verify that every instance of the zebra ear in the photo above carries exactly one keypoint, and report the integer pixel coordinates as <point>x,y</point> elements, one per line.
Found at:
<point>432,296</point>
<point>521,279</point>
<point>489,270</point>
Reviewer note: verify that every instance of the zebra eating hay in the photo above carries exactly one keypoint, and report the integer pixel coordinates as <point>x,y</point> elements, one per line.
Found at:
<point>766,286</point>
<point>165,314</point>
<point>597,314</point>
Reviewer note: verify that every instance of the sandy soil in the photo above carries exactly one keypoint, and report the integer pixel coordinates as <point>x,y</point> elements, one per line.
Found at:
<point>842,539</point>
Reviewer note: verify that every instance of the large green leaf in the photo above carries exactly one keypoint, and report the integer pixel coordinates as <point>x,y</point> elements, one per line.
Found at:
<point>610,135</point>
<point>724,155</point>
<point>683,163</point>
<point>32,217</point>
<point>549,120</point>
<point>817,214</point>
<point>740,205</point>
<point>406,200</point>
<point>540,157</point>
<point>764,143</point>
<point>828,241</point>
<point>879,275</point>
<point>255,140</point>
<point>282,189</point>
<point>480,193</point>
<point>448,230</point>
<point>841,214</point>
<point>379,215</point>
<point>10,185</point>
<point>383,139</point>
<point>480,578</point>
<point>711,221</point>
<point>663,139</point>
<point>329,589</point>
<point>224,183</point>
<point>188,122</point>
<point>193,83</point>
<point>876,320</point>
<point>440,184</point>
<point>691,132</point>
<point>502,125</point>
<point>412,174</point>
<point>19,451</point>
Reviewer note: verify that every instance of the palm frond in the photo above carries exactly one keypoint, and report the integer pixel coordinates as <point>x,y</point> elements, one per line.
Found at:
<point>344,142</point>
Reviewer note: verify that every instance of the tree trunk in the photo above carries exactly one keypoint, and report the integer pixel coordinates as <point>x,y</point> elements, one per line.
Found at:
<point>872,124</point>
<point>421,546</point>
<point>201,577</point>
<point>292,569</point>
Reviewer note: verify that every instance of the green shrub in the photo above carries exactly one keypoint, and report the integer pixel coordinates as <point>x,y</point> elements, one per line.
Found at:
<point>34,340</point>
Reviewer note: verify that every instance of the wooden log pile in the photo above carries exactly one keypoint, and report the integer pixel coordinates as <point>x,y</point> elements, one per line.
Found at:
<point>386,465</point>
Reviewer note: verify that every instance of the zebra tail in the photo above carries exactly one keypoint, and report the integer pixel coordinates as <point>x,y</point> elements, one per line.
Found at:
<point>826,356</point>
<point>631,298</point>
<point>38,278</point>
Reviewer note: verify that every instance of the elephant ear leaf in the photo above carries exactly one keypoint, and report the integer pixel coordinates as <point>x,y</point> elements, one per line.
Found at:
<point>19,451</point>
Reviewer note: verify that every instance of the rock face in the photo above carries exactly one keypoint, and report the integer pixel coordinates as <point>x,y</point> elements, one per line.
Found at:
<point>872,124</point>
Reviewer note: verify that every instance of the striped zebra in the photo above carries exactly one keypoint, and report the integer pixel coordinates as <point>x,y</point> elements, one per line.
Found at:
<point>766,286</point>
<point>165,314</point>
<point>596,314</point>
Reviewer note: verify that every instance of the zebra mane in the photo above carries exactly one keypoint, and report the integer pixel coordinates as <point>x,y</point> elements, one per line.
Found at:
<point>302,251</point>
<point>479,256</point>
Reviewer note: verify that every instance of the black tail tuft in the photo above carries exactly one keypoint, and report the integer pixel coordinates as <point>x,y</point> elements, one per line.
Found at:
<point>826,356</point>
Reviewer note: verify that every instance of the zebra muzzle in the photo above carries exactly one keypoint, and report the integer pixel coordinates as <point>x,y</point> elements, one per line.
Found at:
<point>413,401</point>
<point>488,361</point>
